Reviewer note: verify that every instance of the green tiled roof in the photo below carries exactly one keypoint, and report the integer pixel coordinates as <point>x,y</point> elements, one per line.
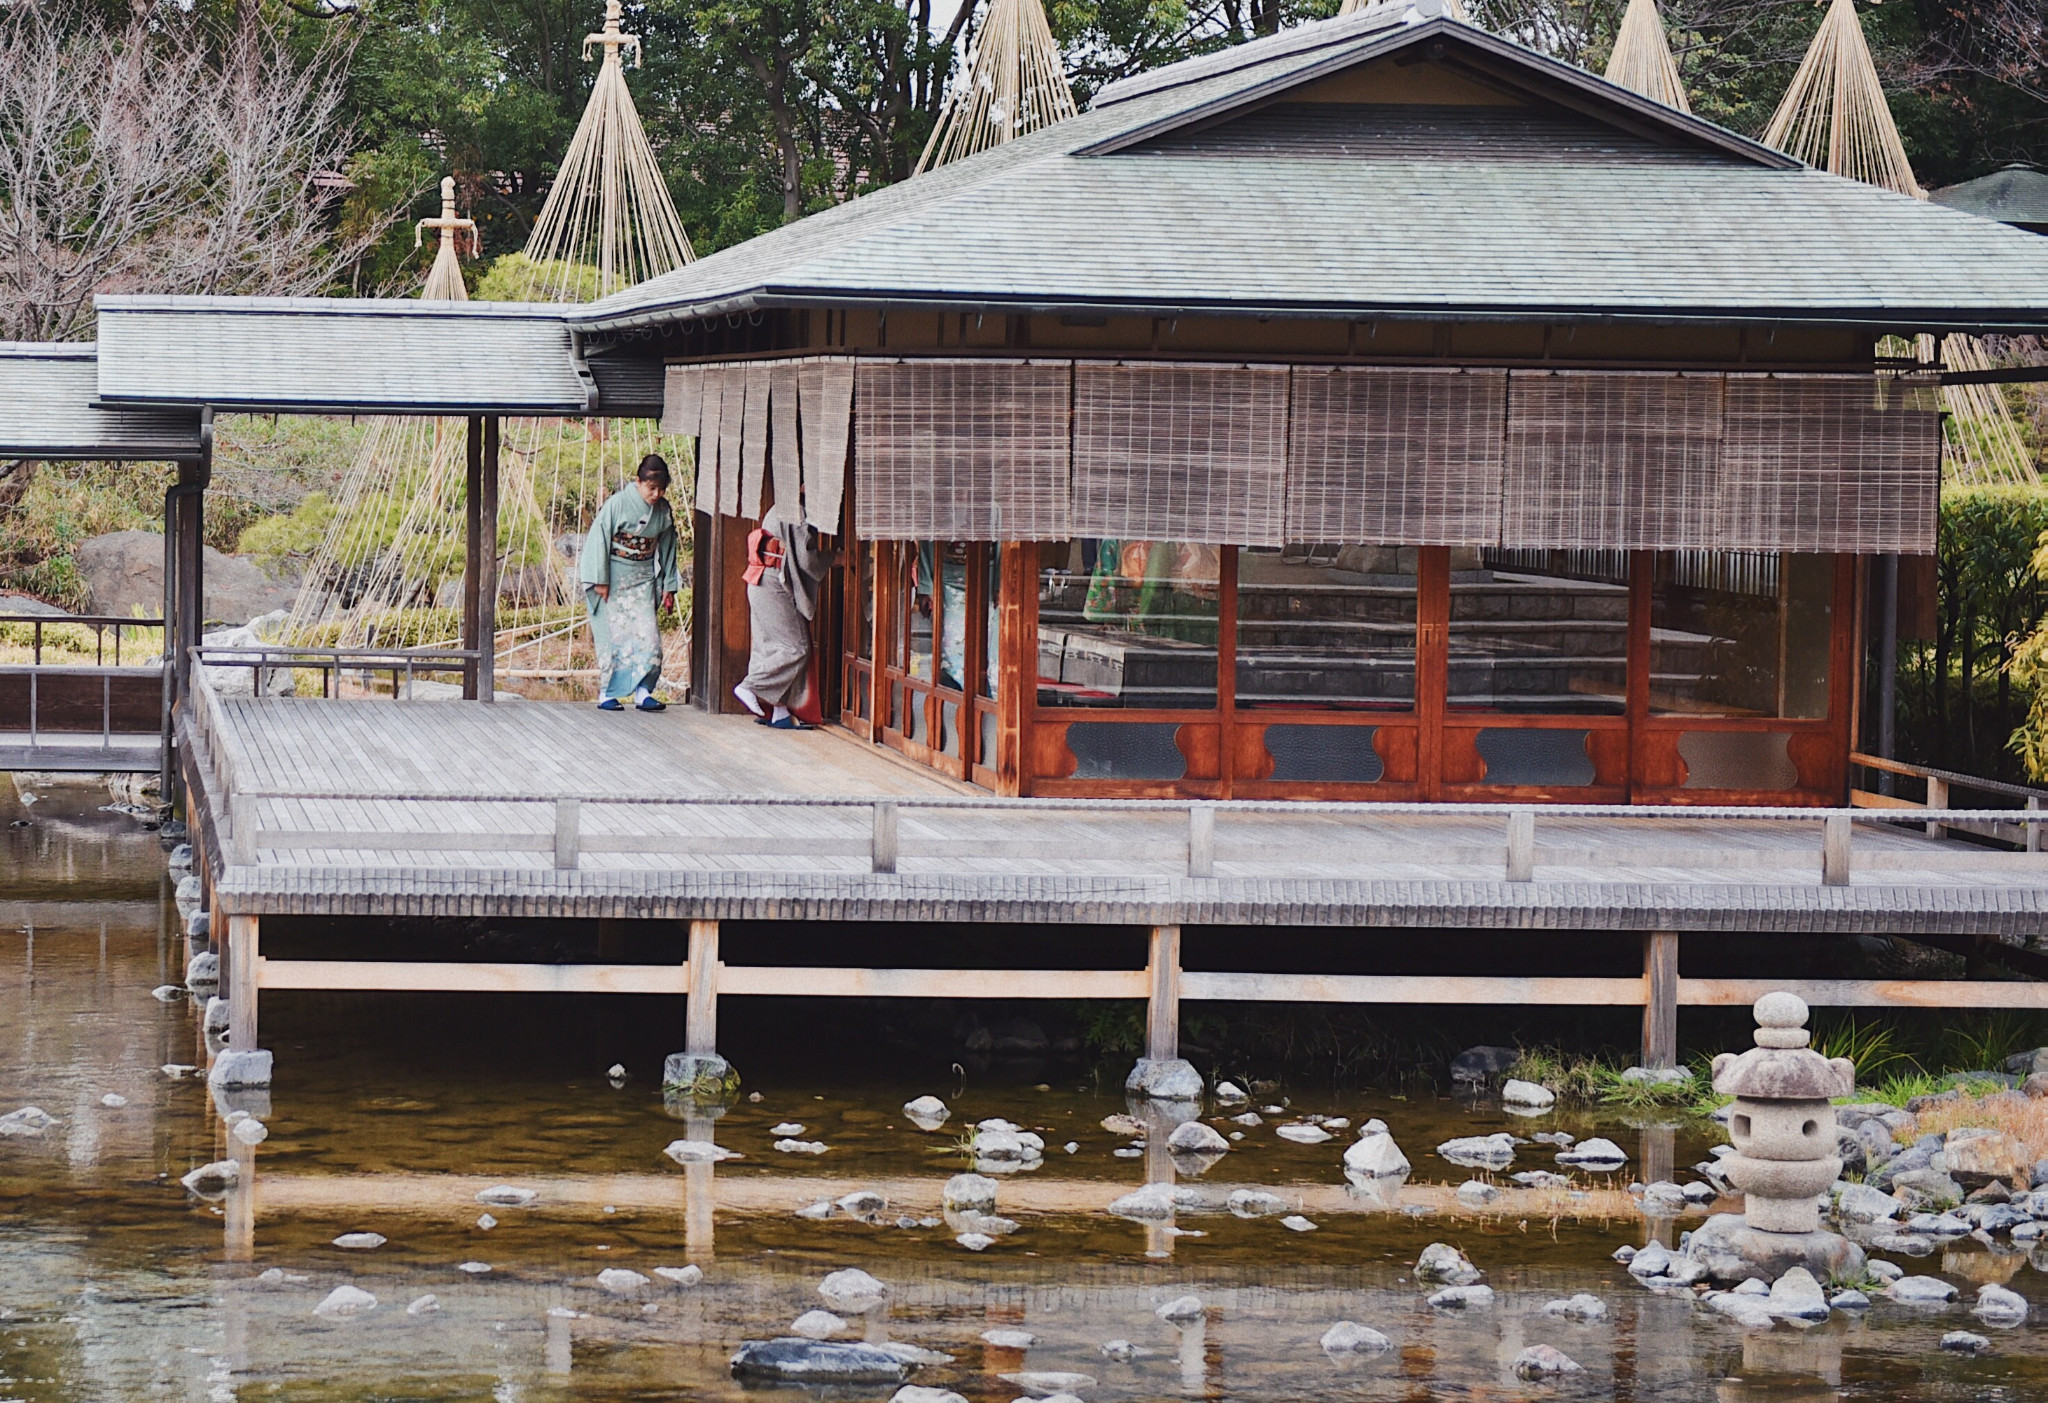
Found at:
<point>1200,188</point>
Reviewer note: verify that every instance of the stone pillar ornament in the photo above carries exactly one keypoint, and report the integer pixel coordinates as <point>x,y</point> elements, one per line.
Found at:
<point>1783,1128</point>
<point>1782,1122</point>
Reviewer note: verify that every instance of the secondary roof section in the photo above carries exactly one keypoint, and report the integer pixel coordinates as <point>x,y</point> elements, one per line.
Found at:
<point>1380,165</point>
<point>46,411</point>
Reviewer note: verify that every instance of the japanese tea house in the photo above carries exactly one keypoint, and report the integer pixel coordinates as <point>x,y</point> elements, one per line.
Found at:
<point>1379,410</point>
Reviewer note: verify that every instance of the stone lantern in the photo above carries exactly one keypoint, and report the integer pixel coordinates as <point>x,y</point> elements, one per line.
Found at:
<point>1782,1122</point>
<point>1783,1127</point>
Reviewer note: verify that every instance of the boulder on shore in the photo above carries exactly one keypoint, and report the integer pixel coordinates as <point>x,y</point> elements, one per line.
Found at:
<point>124,572</point>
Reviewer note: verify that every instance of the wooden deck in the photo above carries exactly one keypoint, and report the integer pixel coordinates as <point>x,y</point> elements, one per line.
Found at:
<point>523,808</point>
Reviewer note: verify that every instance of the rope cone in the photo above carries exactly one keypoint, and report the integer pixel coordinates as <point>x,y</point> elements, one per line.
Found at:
<point>1453,9</point>
<point>1642,60</point>
<point>396,542</point>
<point>1834,116</point>
<point>1015,84</point>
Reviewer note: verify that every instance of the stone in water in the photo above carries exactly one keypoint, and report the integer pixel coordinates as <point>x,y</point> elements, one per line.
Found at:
<point>113,1100</point>
<point>424,1305</point>
<point>802,1147</point>
<point>787,1128</point>
<point>361,1241</point>
<point>698,1152</point>
<point>1527,1093</point>
<point>1582,1307</point>
<point>818,1361</point>
<point>1544,1362</point>
<point>926,1112</point>
<point>1594,1154</point>
<point>817,1325</point>
<point>1302,1133</point>
<point>209,1180</point>
<point>1047,1382</point>
<point>681,1276</point>
<point>1253,1203</point>
<point>1479,1151</point>
<point>1442,1262</point>
<point>1008,1339</point>
<point>969,1193</point>
<point>1181,1310</point>
<point>1462,1298</point>
<point>1349,1337</point>
<point>852,1289</point>
<point>1376,1157</point>
<point>506,1196</point>
<point>345,1301</point>
<point>1197,1138</point>
<point>1294,1222</point>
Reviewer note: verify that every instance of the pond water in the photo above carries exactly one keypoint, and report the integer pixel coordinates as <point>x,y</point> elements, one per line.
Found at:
<point>118,1283</point>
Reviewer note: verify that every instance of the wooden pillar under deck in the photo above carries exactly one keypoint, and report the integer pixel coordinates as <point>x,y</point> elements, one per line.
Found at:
<point>243,955</point>
<point>1162,1011</point>
<point>700,1033</point>
<point>1660,998</point>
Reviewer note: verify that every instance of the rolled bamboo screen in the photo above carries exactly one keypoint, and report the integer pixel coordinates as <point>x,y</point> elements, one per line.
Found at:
<point>1625,460</point>
<point>1617,460</point>
<point>963,450</point>
<point>1412,456</point>
<point>1181,452</point>
<point>765,422</point>
<point>1830,463</point>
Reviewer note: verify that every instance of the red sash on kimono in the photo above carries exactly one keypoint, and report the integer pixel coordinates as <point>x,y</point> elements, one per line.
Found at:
<point>764,553</point>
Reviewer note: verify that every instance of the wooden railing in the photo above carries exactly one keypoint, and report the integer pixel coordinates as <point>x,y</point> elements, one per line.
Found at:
<point>56,705</point>
<point>2006,827</point>
<point>404,664</point>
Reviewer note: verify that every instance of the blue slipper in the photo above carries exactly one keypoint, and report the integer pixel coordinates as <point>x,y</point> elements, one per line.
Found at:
<point>650,704</point>
<point>611,704</point>
<point>790,723</point>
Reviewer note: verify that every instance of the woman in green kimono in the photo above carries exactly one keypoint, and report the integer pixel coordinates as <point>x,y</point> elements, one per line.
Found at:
<point>629,560</point>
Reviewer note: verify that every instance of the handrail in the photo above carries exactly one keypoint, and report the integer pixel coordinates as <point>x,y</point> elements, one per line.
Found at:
<point>263,658</point>
<point>98,623</point>
<point>1954,778</point>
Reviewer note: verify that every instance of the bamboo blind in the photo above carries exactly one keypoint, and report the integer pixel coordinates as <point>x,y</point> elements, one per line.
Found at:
<point>1618,460</point>
<point>753,438</point>
<point>1830,463</point>
<point>825,392</point>
<point>1396,456</point>
<point>1180,453</point>
<point>963,450</point>
<point>786,461</point>
<point>1627,460</point>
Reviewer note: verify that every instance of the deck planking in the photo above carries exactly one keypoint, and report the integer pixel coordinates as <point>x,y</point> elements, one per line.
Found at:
<point>391,843</point>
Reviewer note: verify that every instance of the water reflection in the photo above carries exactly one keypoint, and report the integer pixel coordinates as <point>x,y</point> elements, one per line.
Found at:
<point>394,1117</point>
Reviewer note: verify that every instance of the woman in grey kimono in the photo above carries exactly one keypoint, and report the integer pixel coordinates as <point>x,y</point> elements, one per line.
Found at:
<point>629,562</point>
<point>783,572</point>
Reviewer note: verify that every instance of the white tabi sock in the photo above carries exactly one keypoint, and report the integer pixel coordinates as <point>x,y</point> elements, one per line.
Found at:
<point>748,699</point>
<point>781,714</point>
<point>640,694</point>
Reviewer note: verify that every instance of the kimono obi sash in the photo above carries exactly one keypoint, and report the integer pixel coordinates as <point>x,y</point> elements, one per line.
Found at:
<point>627,546</point>
<point>764,553</point>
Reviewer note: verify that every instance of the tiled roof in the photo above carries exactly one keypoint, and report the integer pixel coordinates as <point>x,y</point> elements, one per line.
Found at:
<point>46,411</point>
<point>1201,188</point>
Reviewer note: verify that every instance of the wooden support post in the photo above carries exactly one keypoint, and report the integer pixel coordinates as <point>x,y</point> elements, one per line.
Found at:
<point>1660,998</point>
<point>700,1033</point>
<point>1834,851</point>
<point>472,548</point>
<point>487,567</point>
<point>1201,840</point>
<point>568,833</point>
<point>1937,798</point>
<point>2033,829</point>
<point>1162,1010</point>
<point>1521,845</point>
<point>243,957</point>
<point>883,846</point>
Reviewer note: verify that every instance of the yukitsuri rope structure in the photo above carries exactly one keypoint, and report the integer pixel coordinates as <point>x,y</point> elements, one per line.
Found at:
<point>444,279</point>
<point>1015,84</point>
<point>396,541</point>
<point>1642,61</point>
<point>1835,116</point>
<point>1453,9</point>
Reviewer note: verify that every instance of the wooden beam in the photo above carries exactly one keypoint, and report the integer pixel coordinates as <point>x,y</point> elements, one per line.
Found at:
<point>487,566</point>
<point>472,547</point>
<point>1660,998</point>
<point>425,976</point>
<point>1868,993</point>
<point>1162,1008</point>
<point>243,975</point>
<point>936,983</point>
<point>700,1031</point>
<point>1411,989</point>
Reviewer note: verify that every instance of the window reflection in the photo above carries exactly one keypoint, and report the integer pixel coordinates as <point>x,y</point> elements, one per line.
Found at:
<point>1129,624</point>
<point>1741,633</point>
<point>1326,626</point>
<point>1539,632</point>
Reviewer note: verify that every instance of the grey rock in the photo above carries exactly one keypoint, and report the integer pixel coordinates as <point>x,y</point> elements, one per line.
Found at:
<point>28,1122</point>
<point>1797,1296</point>
<point>1165,1079</point>
<point>1253,1203</point>
<point>851,1289</point>
<point>927,1112</point>
<point>1963,1342</point>
<point>1477,1193</point>
<point>1349,1337</point>
<point>1594,1154</point>
<point>801,1360</point>
<point>698,1152</point>
<point>918,1393</point>
<point>1376,1157</point>
<point>1926,1188</point>
<point>1442,1262</point>
<point>1728,1250</point>
<point>1886,1272</point>
<point>1938,1224</point>
<point>124,571</point>
<point>1527,1094</point>
<point>1997,1305</point>
<point>1479,1151</point>
<point>345,1301</point>
<point>975,1193</point>
<point>817,1325</point>
<point>1462,1298</point>
<point>1904,1243</point>
<point>1860,1203</point>
<point>1479,1065</point>
<point>1921,1291</point>
<point>1654,1259</point>
<point>1543,1362</point>
<point>1658,1076</point>
<point>1049,1383</point>
<point>1193,1137</point>
<point>1149,1201</point>
<point>213,1180</point>
<point>1181,1310</point>
<point>1849,1300</point>
<point>1582,1307</point>
<point>238,1069</point>
<point>202,972</point>
<point>360,1241</point>
<point>699,1076</point>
